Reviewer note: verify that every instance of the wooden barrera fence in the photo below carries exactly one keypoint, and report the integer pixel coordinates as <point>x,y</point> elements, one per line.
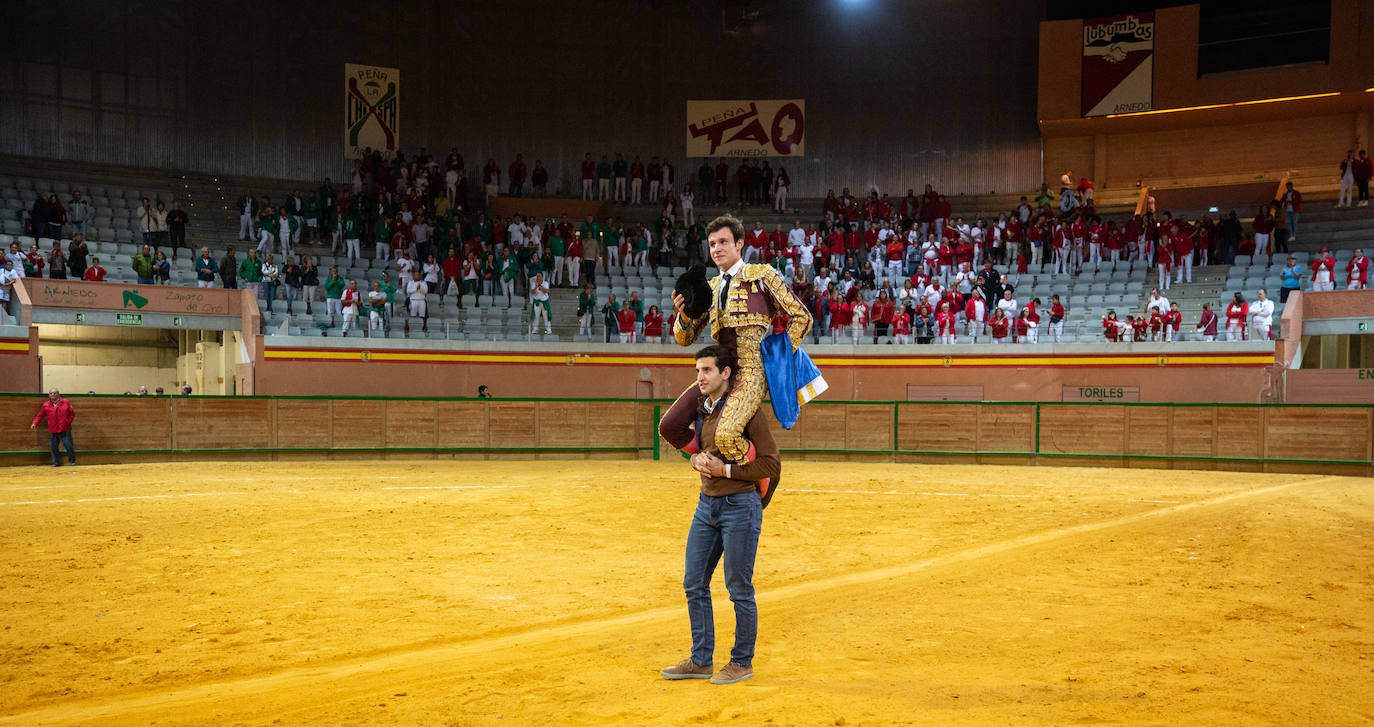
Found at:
<point>1251,437</point>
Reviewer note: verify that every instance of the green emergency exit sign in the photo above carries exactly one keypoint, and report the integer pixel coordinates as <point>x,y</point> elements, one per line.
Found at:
<point>129,319</point>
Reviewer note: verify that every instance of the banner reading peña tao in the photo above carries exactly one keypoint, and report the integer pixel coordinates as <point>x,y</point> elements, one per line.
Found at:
<point>372,109</point>
<point>750,128</point>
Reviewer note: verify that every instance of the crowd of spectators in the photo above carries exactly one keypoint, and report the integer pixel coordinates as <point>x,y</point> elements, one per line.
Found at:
<point>872,268</point>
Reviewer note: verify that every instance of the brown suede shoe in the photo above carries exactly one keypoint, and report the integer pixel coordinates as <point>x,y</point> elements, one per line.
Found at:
<point>687,669</point>
<point>731,673</point>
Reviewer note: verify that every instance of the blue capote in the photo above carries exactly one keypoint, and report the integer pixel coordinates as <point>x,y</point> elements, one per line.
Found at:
<point>792,378</point>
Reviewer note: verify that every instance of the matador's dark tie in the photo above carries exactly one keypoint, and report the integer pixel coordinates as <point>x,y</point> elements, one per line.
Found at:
<point>724,291</point>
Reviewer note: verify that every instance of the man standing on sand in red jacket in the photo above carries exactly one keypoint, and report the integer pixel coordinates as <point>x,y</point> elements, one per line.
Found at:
<point>59,414</point>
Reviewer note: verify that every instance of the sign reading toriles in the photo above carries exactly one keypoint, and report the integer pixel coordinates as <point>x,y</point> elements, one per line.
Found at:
<point>1101,393</point>
<point>757,128</point>
<point>372,109</point>
<point>1118,64</point>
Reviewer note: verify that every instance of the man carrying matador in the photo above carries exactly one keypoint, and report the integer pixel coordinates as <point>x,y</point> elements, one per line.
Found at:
<point>739,305</point>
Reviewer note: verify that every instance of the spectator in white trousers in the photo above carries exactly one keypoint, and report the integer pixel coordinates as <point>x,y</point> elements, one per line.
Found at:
<point>1261,316</point>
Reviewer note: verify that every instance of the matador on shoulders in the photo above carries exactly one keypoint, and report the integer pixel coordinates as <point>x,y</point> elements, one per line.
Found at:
<point>743,300</point>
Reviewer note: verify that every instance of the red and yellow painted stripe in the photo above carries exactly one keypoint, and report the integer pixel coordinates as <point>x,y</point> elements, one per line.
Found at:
<point>18,346</point>
<point>1262,358</point>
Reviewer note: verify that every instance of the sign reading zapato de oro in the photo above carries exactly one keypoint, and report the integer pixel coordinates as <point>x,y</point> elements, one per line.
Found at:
<point>748,128</point>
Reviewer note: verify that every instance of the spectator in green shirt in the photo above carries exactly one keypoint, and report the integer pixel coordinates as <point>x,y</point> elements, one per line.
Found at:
<point>603,179</point>
<point>329,201</point>
<point>250,271</point>
<point>490,272</point>
<point>333,294</point>
<point>349,227</point>
<point>381,236</point>
<point>143,266</point>
<point>510,270</point>
<point>608,316</point>
<point>206,267</point>
<point>559,249</point>
<point>636,305</point>
<point>312,216</point>
<point>586,305</point>
<point>389,288</point>
<point>620,170</point>
<point>706,177</point>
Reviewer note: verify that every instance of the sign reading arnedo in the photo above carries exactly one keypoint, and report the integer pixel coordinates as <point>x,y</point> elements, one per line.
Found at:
<point>751,128</point>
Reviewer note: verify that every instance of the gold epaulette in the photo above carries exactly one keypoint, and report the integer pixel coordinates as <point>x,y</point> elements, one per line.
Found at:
<point>756,271</point>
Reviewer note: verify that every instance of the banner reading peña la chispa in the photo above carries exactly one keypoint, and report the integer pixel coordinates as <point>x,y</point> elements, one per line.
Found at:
<point>751,128</point>
<point>372,109</point>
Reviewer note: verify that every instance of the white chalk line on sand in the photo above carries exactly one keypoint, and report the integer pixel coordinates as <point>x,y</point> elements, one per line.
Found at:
<point>352,678</point>
<point>125,497</point>
<point>457,487</point>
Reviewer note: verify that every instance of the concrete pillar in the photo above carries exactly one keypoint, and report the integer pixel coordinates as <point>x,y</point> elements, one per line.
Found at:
<point>1100,160</point>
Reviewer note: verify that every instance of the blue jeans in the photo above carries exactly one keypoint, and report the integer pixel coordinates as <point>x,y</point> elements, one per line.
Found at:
<point>64,439</point>
<point>269,293</point>
<point>1292,225</point>
<point>291,293</point>
<point>145,281</point>
<point>729,526</point>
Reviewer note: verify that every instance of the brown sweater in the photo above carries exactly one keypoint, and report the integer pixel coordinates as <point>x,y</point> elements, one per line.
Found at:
<point>744,478</point>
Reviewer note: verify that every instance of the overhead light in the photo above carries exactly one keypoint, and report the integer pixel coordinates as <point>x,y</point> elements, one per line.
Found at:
<point>1214,208</point>
<point>1225,105</point>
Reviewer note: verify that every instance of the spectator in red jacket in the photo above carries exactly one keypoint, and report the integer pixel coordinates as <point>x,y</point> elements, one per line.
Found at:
<point>1324,271</point>
<point>1183,255</point>
<point>653,325</point>
<point>1139,328</point>
<point>1364,169</point>
<point>1000,325</point>
<point>1172,321</point>
<point>1357,271</point>
<point>882,314</point>
<point>95,273</point>
<point>626,319</point>
<point>1056,318</point>
<point>901,326</point>
<point>58,412</point>
<point>516,173</point>
<point>588,174</point>
<point>1163,260</point>
<point>1236,314</point>
<point>1207,323</point>
<point>945,323</point>
<point>1111,327</point>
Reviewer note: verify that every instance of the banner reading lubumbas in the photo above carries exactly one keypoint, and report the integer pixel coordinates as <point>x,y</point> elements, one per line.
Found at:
<point>757,128</point>
<point>1118,64</point>
<point>372,109</point>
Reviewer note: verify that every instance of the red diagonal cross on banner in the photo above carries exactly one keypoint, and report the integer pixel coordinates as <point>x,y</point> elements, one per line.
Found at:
<point>373,111</point>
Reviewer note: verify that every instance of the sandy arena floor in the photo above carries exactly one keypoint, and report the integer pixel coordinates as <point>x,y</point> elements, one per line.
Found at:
<point>538,593</point>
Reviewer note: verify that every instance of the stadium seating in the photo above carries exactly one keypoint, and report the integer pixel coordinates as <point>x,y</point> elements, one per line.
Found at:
<point>113,236</point>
